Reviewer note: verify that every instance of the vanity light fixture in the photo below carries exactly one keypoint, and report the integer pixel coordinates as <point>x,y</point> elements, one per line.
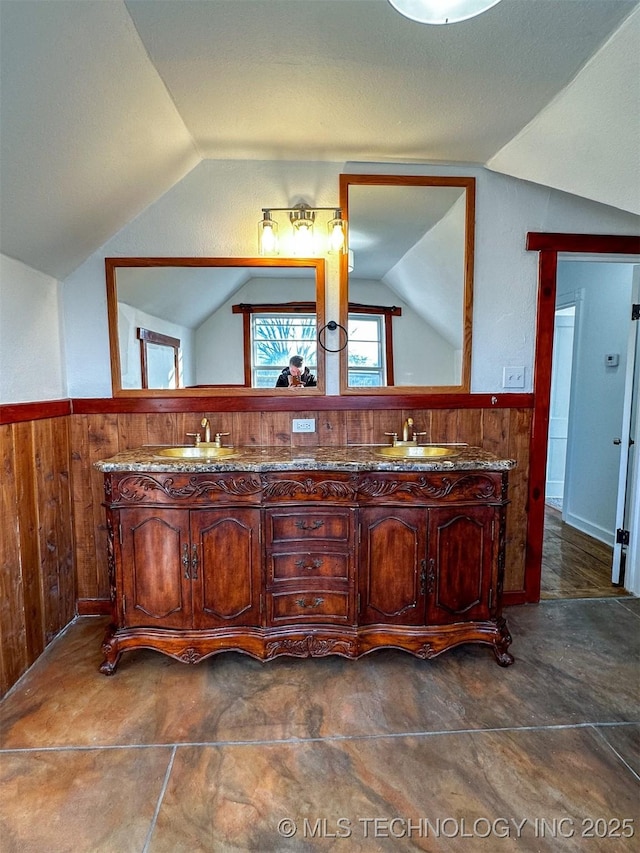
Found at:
<point>302,217</point>
<point>441,11</point>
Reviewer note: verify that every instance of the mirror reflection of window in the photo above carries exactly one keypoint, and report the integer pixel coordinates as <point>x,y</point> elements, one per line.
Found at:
<point>159,360</point>
<point>366,354</point>
<point>275,338</point>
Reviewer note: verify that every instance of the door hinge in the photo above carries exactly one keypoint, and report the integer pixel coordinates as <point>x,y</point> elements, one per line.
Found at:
<point>490,598</point>
<point>120,531</point>
<point>261,604</point>
<point>124,605</point>
<point>622,536</point>
<point>358,602</point>
<point>635,311</point>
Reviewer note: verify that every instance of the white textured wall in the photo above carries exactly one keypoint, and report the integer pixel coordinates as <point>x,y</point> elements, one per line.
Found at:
<point>31,362</point>
<point>564,147</point>
<point>603,319</point>
<point>420,355</point>
<point>194,218</point>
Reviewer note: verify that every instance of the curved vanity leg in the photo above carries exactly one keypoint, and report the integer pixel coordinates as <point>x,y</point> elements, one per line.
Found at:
<point>502,643</point>
<point>111,653</point>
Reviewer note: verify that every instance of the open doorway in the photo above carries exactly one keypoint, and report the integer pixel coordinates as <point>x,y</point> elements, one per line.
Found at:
<point>589,366</point>
<point>549,246</point>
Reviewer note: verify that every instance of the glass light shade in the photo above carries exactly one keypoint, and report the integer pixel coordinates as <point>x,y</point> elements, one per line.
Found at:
<point>337,234</point>
<point>441,11</point>
<point>302,219</point>
<point>303,239</point>
<point>268,235</point>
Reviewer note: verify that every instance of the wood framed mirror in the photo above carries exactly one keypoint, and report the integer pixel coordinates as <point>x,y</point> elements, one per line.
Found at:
<point>406,286</point>
<point>237,321</point>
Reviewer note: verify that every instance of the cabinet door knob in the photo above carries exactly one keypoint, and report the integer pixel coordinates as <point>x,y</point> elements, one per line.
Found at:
<point>315,602</point>
<point>312,564</point>
<point>194,562</point>
<point>431,577</point>
<point>314,525</point>
<point>185,560</point>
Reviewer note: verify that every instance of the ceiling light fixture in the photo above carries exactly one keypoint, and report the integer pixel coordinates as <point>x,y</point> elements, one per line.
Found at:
<point>441,11</point>
<point>302,217</point>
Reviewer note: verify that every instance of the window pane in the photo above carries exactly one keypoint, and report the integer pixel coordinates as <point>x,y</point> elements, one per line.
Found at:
<point>275,338</point>
<point>364,329</point>
<point>364,379</point>
<point>365,354</point>
<point>365,351</point>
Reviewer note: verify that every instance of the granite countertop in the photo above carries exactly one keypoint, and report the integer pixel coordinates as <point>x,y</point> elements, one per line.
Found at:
<point>261,459</point>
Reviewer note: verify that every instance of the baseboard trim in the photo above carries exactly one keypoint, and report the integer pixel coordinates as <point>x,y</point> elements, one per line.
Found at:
<point>93,607</point>
<point>516,596</point>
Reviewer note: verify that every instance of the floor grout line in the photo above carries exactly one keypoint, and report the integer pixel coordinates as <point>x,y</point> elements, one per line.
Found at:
<point>615,751</point>
<point>326,739</point>
<point>152,826</point>
<point>623,603</point>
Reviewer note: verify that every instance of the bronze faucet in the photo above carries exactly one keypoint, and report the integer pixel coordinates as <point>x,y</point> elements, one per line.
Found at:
<point>409,435</point>
<point>406,428</point>
<point>207,430</point>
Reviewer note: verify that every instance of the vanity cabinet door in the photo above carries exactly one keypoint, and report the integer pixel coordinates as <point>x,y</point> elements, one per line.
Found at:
<point>461,561</point>
<point>155,578</point>
<point>225,567</point>
<point>393,550</point>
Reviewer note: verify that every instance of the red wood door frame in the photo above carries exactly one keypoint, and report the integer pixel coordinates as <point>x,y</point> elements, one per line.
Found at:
<point>549,245</point>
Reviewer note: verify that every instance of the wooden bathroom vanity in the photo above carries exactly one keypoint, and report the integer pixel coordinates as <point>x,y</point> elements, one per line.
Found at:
<point>306,552</point>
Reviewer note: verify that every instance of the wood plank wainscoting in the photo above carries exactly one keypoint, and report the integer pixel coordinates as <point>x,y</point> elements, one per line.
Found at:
<point>37,577</point>
<point>54,561</point>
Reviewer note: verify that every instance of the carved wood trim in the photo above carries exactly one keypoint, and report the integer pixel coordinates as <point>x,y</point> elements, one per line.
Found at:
<point>135,488</point>
<point>310,646</point>
<point>472,486</point>
<point>332,489</point>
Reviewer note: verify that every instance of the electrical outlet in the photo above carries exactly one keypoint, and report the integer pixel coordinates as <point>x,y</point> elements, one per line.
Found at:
<point>303,425</point>
<point>513,377</point>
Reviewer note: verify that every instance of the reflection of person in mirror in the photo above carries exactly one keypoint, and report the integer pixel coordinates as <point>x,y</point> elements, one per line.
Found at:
<point>294,376</point>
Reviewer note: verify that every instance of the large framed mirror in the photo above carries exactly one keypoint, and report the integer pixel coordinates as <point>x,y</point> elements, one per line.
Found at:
<point>406,286</point>
<point>215,326</point>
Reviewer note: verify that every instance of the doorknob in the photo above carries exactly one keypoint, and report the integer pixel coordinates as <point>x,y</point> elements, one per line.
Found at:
<point>617,441</point>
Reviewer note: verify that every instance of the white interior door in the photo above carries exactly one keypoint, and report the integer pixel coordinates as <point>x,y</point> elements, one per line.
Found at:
<point>628,449</point>
<point>560,400</point>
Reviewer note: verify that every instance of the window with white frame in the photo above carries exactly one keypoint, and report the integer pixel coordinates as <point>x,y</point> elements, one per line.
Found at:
<point>366,350</point>
<point>275,338</point>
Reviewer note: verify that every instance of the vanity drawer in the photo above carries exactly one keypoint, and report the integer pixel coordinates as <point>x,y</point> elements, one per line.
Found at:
<point>308,606</point>
<point>309,523</point>
<point>312,564</point>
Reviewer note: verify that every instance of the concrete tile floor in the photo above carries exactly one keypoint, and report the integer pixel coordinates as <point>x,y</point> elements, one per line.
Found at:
<point>385,753</point>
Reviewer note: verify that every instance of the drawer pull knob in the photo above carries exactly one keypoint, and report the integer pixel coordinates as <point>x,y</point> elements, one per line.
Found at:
<point>312,564</point>
<point>315,525</point>
<point>315,602</point>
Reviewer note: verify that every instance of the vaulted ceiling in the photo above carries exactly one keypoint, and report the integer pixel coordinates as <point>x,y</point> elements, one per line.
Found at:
<point>104,106</point>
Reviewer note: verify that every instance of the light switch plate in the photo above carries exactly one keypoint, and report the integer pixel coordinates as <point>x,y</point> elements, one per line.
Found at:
<point>303,425</point>
<point>513,377</point>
